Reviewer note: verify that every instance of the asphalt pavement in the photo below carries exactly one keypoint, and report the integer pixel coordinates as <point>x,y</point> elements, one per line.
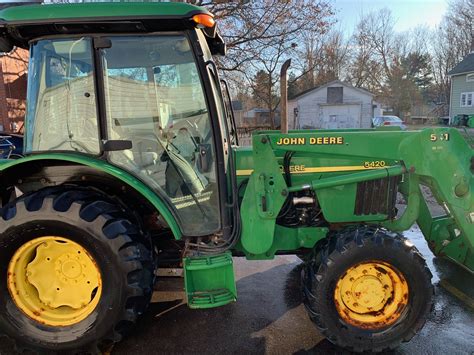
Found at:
<point>269,318</point>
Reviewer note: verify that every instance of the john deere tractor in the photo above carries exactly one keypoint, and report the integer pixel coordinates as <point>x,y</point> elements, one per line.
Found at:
<point>132,163</point>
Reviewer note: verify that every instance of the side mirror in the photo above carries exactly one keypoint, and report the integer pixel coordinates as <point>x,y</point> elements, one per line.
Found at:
<point>116,145</point>
<point>204,157</point>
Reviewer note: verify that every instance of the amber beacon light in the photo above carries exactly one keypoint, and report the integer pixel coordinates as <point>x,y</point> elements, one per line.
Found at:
<point>204,20</point>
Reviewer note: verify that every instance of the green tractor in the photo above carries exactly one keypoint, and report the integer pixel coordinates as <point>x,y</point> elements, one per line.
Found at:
<point>132,164</point>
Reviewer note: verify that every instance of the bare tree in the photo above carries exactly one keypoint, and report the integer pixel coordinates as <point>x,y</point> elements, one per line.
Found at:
<point>395,66</point>
<point>377,31</point>
<point>374,43</point>
<point>267,59</point>
<point>452,41</point>
<point>461,17</point>
<point>247,25</point>
<point>260,35</point>
<point>322,58</point>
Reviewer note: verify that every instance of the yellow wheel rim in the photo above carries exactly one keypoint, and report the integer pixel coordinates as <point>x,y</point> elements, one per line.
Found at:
<point>371,295</point>
<point>54,281</point>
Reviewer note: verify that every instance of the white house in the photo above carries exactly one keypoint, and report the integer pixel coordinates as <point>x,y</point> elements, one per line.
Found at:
<point>334,105</point>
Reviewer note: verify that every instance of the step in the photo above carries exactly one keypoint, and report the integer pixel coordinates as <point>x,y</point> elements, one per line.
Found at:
<point>209,281</point>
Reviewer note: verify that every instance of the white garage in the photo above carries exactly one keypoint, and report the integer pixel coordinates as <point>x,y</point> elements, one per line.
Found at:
<point>340,116</point>
<point>332,106</point>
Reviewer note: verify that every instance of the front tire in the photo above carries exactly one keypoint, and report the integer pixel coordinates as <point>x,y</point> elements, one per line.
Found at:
<point>368,290</point>
<point>45,237</point>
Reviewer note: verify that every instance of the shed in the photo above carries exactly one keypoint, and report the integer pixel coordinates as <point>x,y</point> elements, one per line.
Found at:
<point>334,105</point>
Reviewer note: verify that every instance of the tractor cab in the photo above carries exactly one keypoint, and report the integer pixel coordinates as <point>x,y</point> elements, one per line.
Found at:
<point>135,89</point>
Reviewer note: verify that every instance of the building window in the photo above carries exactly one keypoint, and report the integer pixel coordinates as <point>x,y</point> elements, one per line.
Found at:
<point>335,95</point>
<point>470,77</point>
<point>467,99</point>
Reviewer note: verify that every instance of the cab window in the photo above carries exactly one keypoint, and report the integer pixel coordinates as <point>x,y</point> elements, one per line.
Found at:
<point>155,99</point>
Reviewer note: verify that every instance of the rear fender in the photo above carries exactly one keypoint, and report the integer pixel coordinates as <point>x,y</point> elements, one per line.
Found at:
<point>103,166</point>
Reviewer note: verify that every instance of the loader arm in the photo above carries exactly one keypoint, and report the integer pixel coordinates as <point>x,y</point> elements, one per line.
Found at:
<point>355,176</point>
<point>445,165</point>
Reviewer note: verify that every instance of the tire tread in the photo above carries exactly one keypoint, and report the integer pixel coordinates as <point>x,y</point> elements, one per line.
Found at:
<point>339,244</point>
<point>128,243</point>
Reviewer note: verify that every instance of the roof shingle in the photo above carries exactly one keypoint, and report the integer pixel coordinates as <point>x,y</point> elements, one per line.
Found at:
<point>465,66</point>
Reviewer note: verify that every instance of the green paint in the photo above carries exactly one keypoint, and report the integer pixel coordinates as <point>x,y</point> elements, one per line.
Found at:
<point>209,281</point>
<point>264,197</point>
<point>411,191</point>
<point>470,122</point>
<point>331,163</point>
<point>102,11</point>
<point>289,239</point>
<point>337,193</point>
<point>357,177</point>
<point>437,157</point>
<point>105,167</point>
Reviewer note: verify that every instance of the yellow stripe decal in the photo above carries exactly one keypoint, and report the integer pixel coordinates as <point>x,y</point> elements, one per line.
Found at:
<point>319,169</point>
<point>244,172</point>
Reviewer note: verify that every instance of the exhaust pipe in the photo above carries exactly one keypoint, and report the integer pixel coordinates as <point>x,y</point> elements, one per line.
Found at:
<point>284,97</point>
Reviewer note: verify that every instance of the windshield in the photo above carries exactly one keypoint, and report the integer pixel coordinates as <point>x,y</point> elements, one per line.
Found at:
<point>62,111</point>
<point>154,98</point>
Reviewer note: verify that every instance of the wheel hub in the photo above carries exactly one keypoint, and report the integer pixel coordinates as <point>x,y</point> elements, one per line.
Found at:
<point>371,295</point>
<point>70,268</point>
<point>62,284</point>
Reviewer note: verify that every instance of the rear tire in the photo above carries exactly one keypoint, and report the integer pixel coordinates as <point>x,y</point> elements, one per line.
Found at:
<point>345,252</point>
<point>111,238</point>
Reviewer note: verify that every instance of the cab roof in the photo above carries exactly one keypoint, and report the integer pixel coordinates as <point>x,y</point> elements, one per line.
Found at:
<point>21,24</point>
<point>96,11</point>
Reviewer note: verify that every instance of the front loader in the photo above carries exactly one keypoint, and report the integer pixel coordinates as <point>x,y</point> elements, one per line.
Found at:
<point>132,164</point>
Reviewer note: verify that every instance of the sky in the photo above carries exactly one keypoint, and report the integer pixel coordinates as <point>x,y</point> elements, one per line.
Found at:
<point>407,13</point>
